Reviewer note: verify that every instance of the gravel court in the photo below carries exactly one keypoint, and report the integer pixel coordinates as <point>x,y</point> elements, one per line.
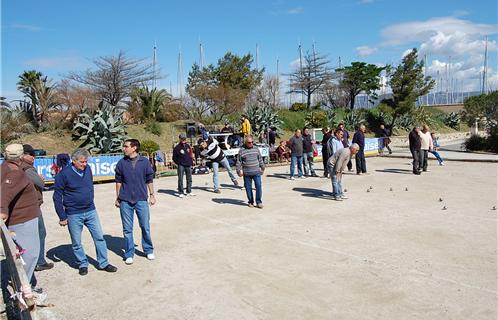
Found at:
<point>378,255</point>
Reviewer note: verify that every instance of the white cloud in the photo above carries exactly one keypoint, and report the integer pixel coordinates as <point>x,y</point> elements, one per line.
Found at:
<point>297,10</point>
<point>364,51</point>
<point>442,39</point>
<point>294,64</point>
<point>26,27</point>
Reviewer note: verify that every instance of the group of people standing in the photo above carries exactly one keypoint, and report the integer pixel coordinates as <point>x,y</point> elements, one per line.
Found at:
<point>421,142</point>
<point>74,204</point>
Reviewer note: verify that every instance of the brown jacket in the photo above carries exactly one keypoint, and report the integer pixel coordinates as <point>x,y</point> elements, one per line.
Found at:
<point>19,200</point>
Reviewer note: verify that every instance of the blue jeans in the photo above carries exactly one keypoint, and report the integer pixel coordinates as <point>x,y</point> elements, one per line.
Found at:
<point>336,184</point>
<point>248,186</point>
<point>299,160</point>
<point>127,210</point>
<point>438,157</point>
<point>75,224</point>
<point>308,163</point>
<point>226,165</point>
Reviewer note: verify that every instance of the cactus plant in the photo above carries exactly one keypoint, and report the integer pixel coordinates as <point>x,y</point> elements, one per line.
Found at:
<point>262,118</point>
<point>102,131</point>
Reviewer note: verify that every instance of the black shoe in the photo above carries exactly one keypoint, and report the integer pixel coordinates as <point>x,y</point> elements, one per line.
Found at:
<point>83,271</point>
<point>45,266</point>
<point>109,268</point>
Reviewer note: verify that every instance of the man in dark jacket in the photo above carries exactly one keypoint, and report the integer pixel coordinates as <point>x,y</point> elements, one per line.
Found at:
<point>325,155</point>
<point>359,138</point>
<point>385,134</point>
<point>134,186</point>
<point>182,157</point>
<point>345,143</point>
<point>308,153</point>
<point>28,159</point>
<point>73,201</point>
<point>19,206</point>
<point>296,147</point>
<point>415,145</point>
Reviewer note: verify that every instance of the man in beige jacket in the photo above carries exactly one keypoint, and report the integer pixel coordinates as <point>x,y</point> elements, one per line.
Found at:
<point>337,164</point>
<point>425,146</point>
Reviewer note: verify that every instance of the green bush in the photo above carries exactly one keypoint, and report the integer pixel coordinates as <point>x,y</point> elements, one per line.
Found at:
<point>291,120</point>
<point>149,146</point>
<point>316,119</point>
<point>452,120</point>
<point>354,119</point>
<point>475,143</point>
<point>492,139</point>
<point>298,106</point>
<point>153,127</point>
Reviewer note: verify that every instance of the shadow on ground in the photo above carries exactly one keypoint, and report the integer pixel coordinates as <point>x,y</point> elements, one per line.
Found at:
<point>314,193</point>
<point>279,175</point>
<point>64,253</point>
<point>236,202</point>
<point>398,171</point>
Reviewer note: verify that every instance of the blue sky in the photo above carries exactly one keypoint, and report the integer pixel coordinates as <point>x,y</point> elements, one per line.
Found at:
<point>60,36</point>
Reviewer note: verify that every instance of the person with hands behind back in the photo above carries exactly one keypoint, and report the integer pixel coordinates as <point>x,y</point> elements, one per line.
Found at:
<point>250,165</point>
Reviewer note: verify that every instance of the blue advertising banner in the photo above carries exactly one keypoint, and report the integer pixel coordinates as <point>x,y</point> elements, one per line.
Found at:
<point>103,167</point>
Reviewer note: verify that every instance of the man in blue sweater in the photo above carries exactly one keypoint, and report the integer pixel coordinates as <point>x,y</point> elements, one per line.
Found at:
<point>73,200</point>
<point>134,177</point>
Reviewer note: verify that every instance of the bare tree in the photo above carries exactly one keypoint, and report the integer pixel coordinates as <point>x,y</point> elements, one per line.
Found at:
<point>268,92</point>
<point>332,94</point>
<point>74,99</point>
<point>310,78</point>
<point>114,77</point>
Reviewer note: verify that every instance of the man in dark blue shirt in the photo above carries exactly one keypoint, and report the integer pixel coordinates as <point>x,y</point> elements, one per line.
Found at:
<point>359,138</point>
<point>134,177</point>
<point>73,200</point>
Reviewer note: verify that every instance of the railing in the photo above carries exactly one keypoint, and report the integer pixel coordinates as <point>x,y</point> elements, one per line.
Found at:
<point>19,280</point>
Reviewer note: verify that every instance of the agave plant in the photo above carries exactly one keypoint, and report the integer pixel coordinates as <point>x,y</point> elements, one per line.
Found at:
<point>262,118</point>
<point>452,120</point>
<point>353,119</point>
<point>102,131</point>
<point>404,122</point>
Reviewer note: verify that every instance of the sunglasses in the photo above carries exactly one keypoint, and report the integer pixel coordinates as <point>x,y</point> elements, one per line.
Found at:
<point>249,142</point>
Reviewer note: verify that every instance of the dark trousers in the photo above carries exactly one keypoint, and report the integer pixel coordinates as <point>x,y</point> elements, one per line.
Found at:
<point>188,173</point>
<point>350,165</point>
<point>417,160</point>
<point>325,159</point>
<point>361,165</point>
<point>424,155</point>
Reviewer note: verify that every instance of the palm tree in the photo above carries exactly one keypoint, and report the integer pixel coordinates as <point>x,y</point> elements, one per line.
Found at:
<point>40,92</point>
<point>150,101</point>
<point>26,84</point>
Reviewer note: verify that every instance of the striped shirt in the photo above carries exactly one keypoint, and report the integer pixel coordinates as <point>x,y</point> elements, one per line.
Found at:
<point>250,161</point>
<point>213,151</point>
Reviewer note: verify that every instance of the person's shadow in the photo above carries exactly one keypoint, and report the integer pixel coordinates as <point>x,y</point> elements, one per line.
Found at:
<point>116,245</point>
<point>64,253</point>
<point>279,175</point>
<point>235,202</point>
<point>314,193</point>
<point>168,192</point>
<point>398,171</point>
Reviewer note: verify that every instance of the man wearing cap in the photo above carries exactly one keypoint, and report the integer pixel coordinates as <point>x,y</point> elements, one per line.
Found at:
<point>134,186</point>
<point>28,159</point>
<point>182,157</point>
<point>19,207</point>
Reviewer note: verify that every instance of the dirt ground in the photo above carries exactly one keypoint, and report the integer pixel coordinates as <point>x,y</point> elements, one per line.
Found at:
<point>378,255</point>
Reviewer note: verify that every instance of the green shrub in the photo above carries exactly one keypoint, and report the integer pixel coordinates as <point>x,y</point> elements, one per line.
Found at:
<point>354,119</point>
<point>492,139</point>
<point>298,106</point>
<point>291,120</point>
<point>316,119</point>
<point>475,143</point>
<point>153,127</point>
<point>149,146</point>
<point>452,120</point>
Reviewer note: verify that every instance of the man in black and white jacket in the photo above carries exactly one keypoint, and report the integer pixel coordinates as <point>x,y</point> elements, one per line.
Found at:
<point>212,151</point>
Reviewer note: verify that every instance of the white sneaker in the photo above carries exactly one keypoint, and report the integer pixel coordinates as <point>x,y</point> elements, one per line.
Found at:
<point>191,194</point>
<point>292,178</point>
<point>302,177</point>
<point>344,197</point>
<point>441,164</point>
<point>181,195</point>
<point>129,261</point>
<point>151,256</point>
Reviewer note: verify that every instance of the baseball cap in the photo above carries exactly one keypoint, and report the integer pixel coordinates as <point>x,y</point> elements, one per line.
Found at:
<point>14,150</point>
<point>28,149</point>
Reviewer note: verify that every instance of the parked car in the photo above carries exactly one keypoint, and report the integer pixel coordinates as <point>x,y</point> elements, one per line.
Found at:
<point>40,152</point>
